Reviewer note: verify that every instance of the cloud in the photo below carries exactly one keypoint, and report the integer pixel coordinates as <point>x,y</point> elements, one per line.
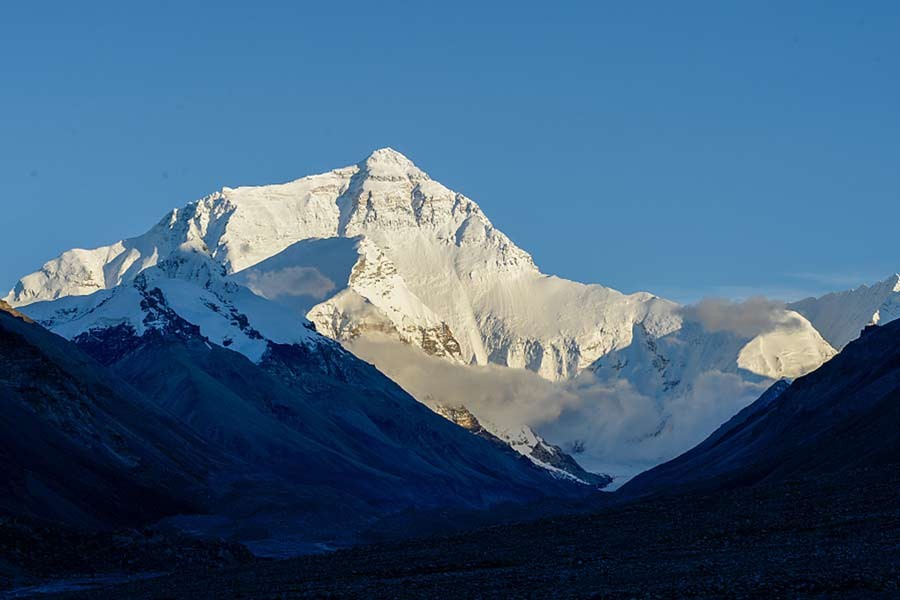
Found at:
<point>611,426</point>
<point>748,319</point>
<point>624,431</point>
<point>290,282</point>
<point>506,397</point>
<point>715,397</point>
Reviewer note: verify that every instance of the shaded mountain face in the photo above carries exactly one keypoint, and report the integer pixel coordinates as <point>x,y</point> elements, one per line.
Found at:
<point>189,297</point>
<point>379,249</point>
<point>160,422</point>
<point>349,429</point>
<point>838,419</point>
<point>80,446</point>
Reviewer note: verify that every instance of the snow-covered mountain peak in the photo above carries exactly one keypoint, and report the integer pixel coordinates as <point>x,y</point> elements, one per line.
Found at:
<point>379,249</point>
<point>388,163</point>
<point>429,267</point>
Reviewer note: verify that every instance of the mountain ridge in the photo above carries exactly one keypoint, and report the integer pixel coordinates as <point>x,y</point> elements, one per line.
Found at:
<point>840,316</point>
<point>124,427</point>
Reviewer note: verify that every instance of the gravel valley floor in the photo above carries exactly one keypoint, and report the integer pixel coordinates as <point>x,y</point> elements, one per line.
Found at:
<point>828,537</point>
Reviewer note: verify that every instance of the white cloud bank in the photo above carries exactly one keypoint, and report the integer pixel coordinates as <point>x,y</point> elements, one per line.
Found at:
<point>747,319</point>
<point>609,426</point>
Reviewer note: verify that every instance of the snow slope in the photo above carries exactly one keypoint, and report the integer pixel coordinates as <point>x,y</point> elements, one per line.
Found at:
<point>840,316</point>
<point>192,286</point>
<point>689,382</point>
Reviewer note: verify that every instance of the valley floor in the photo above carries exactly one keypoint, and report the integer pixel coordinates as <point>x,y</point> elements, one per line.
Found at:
<point>828,537</point>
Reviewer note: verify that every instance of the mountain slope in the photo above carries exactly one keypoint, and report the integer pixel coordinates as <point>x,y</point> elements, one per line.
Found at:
<point>80,446</point>
<point>326,443</point>
<point>841,417</point>
<point>840,316</point>
<point>450,258</point>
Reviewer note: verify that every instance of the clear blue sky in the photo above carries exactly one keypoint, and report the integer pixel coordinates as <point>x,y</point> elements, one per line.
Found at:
<point>682,147</point>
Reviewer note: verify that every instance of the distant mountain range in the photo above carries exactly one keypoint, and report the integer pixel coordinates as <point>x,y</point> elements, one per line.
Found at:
<point>378,254</point>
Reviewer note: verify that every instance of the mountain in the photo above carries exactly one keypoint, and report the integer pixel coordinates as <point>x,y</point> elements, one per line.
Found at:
<point>380,250</point>
<point>80,446</point>
<point>317,443</point>
<point>840,316</point>
<point>421,261</point>
<point>839,419</point>
<point>693,379</point>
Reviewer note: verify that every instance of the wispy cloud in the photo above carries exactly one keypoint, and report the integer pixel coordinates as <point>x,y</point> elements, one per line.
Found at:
<point>290,282</point>
<point>747,319</point>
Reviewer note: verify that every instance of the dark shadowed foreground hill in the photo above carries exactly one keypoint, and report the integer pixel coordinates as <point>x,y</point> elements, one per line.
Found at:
<point>825,537</point>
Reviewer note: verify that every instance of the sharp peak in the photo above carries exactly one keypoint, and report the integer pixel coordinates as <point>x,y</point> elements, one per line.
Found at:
<point>387,160</point>
<point>387,154</point>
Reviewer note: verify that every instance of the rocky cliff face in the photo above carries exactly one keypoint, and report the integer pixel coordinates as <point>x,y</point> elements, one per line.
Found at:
<point>10,310</point>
